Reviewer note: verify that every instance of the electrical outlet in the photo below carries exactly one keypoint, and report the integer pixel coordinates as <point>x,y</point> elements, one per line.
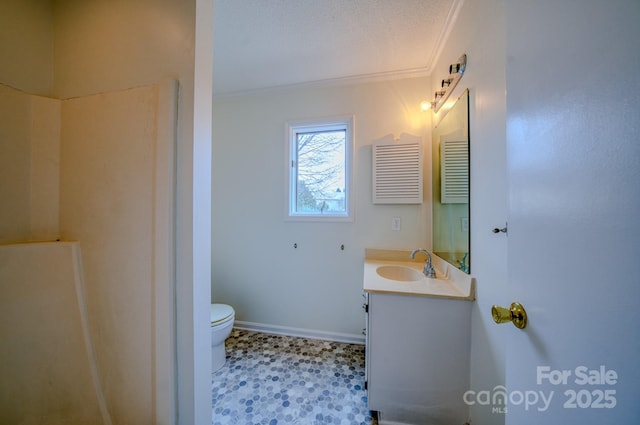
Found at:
<point>464,223</point>
<point>395,224</point>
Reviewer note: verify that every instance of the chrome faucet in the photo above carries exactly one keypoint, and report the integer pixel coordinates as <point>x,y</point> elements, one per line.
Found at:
<point>428,270</point>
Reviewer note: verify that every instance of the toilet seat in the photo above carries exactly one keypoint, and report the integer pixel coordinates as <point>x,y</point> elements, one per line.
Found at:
<point>221,313</point>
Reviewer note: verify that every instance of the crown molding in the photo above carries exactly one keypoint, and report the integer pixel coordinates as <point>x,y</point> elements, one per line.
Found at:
<point>330,82</point>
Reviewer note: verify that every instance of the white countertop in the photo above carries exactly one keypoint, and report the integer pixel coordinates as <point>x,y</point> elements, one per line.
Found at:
<point>449,283</point>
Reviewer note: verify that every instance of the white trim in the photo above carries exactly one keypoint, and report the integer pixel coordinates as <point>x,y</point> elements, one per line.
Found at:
<point>332,82</point>
<point>164,253</point>
<point>193,232</point>
<point>444,34</point>
<point>300,332</point>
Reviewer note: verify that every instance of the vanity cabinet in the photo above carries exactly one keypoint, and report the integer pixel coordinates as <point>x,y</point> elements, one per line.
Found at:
<point>417,358</point>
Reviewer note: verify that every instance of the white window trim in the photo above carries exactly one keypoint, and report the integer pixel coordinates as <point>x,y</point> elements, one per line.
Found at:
<point>347,121</point>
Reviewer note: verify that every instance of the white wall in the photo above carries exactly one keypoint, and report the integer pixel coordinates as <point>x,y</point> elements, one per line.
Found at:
<point>26,45</point>
<point>479,32</point>
<point>256,269</point>
<point>104,45</point>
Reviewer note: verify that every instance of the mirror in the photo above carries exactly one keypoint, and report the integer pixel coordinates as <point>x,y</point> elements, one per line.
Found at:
<point>450,156</point>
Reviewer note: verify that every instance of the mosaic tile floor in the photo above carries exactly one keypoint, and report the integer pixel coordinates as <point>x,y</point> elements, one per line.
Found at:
<point>274,379</point>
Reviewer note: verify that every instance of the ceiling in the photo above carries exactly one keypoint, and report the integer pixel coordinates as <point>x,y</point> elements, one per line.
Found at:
<point>261,44</point>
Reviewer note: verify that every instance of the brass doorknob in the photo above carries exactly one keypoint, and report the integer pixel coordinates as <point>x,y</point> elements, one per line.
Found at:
<point>515,314</point>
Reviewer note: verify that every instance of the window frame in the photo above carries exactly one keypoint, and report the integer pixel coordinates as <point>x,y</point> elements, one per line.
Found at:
<point>343,122</point>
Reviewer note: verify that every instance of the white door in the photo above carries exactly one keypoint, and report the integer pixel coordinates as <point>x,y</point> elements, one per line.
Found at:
<point>573,153</point>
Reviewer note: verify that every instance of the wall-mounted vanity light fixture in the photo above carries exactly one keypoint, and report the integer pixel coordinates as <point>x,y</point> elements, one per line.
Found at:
<point>456,70</point>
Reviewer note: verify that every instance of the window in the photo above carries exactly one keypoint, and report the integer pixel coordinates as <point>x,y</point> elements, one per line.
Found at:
<point>319,163</point>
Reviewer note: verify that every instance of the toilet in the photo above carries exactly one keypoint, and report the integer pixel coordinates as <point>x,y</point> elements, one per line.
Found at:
<point>222,317</point>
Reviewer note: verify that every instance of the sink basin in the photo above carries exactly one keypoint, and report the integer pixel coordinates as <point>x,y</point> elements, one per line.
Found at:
<point>400,273</point>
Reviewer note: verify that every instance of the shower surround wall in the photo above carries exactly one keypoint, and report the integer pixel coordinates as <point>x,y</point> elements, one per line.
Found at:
<point>110,157</point>
<point>29,166</point>
<point>47,362</point>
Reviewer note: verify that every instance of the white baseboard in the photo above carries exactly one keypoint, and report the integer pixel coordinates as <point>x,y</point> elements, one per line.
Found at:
<point>300,332</point>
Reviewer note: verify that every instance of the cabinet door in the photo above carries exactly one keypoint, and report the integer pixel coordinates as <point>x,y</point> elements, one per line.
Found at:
<point>418,358</point>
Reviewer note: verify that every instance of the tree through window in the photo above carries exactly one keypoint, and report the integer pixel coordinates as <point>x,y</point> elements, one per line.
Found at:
<point>320,166</point>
